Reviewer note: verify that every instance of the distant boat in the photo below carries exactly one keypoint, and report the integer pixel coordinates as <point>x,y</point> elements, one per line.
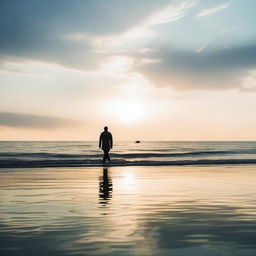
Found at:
<point>137,141</point>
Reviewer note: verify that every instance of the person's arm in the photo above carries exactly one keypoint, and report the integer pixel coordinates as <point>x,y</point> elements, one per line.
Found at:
<point>111,141</point>
<point>100,140</point>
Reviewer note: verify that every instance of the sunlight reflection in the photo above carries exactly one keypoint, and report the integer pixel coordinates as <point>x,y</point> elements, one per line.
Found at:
<point>129,178</point>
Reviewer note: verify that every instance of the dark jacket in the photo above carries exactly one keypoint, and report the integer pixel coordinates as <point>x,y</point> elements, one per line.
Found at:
<point>106,141</point>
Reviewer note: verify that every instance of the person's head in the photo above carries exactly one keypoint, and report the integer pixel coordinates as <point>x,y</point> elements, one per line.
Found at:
<point>105,128</point>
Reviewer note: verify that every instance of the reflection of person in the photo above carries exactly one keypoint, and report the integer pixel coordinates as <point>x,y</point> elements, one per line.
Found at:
<point>105,185</point>
<point>106,143</point>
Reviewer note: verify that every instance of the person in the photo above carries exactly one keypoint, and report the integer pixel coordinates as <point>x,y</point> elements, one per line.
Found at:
<point>106,143</point>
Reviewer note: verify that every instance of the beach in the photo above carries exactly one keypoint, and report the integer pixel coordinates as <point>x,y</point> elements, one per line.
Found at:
<point>127,128</point>
<point>132,210</point>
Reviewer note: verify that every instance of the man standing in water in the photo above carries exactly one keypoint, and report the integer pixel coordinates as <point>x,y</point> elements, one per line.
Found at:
<point>106,143</point>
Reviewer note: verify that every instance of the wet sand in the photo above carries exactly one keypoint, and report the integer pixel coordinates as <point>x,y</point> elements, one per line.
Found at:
<point>128,211</point>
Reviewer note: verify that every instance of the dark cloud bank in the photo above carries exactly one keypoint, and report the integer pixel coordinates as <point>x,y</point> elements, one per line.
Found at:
<point>36,29</point>
<point>209,69</point>
<point>35,121</point>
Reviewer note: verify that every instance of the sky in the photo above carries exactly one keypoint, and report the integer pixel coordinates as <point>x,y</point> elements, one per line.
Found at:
<point>176,70</point>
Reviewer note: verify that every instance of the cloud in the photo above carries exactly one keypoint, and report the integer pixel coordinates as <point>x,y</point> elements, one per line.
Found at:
<point>79,34</point>
<point>249,81</point>
<point>188,70</point>
<point>144,32</point>
<point>35,121</point>
<point>213,10</point>
<point>42,30</point>
<point>170,13</point>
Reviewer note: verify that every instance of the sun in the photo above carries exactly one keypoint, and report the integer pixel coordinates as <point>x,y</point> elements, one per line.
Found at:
<point>128,112</point>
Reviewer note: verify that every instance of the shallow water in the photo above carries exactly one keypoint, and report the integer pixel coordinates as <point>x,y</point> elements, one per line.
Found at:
<point>36,154</point>
<point>128,211</point>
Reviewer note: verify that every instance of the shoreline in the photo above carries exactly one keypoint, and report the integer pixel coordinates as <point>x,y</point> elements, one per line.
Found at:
<point>52,164</point>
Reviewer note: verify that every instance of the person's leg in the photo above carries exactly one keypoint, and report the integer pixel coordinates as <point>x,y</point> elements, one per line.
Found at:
<point>108,156</point>
<point>105,156</point>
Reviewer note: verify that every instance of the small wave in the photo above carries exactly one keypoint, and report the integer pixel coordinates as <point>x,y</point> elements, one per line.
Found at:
<point>47,155</point>
<point>119,162</point>
<point>125,155</point>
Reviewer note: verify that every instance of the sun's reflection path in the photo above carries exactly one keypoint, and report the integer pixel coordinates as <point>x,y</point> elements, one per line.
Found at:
<point>105,186</point>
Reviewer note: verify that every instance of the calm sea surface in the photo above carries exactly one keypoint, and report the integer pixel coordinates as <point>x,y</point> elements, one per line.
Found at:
<point>132,210</point>
<point>64,154</point>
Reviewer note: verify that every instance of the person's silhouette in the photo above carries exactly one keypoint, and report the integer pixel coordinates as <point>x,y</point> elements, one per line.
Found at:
<point>106,143</point>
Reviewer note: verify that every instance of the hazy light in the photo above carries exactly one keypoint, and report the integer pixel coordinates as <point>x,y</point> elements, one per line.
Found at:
<point>128,112</point>
<point>117,65</point>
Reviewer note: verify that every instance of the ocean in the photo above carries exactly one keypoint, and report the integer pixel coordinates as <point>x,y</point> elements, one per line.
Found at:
<point>147,153</point>
<point>155,198</point>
